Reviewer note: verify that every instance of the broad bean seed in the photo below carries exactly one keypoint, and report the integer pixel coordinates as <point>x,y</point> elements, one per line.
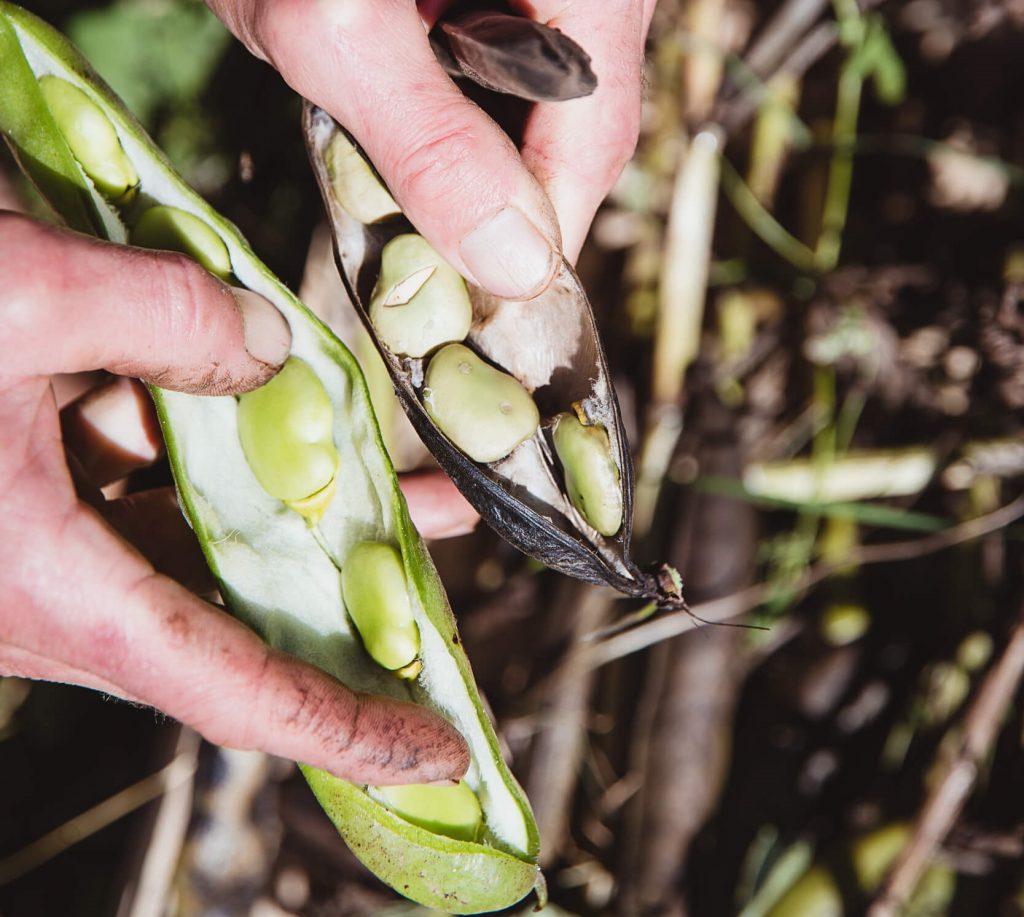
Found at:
<point>286,429</point>
<point>177,230</point>
<point>591,475</point>
<point>485,412</point>
<point>453,811</point>
<point>376,595</point>
<point>359,191</point>
<point>420,302</point>
<point>92,139</point>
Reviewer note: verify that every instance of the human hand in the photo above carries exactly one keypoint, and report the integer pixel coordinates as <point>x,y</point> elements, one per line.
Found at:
<point>492,214</point>
<point>78,603</point>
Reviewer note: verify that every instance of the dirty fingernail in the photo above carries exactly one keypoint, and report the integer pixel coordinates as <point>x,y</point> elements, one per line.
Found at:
<point>267,335</point>
<point>509,256</point>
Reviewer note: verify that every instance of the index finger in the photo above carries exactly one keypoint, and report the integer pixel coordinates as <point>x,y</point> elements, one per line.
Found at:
<point>142,636</point>
<point>577,149</point>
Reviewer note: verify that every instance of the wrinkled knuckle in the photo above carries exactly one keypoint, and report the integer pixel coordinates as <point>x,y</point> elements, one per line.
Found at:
<point>178,324</point>
<point>178,291</point>
<point>187,319</point>
<point>436,166</point>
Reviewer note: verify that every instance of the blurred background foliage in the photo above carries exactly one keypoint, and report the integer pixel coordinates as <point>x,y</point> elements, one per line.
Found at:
<point>810,282</point>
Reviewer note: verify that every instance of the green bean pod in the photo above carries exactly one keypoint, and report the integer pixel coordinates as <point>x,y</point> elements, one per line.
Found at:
<point>277,573</point>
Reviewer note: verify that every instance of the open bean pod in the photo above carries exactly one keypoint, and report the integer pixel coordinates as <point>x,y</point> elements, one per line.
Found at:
<point>566,500</point>
<point>264,510</point>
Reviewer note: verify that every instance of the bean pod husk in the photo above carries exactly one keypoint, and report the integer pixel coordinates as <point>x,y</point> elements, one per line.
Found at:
<point>513,55</point>
<point>276,571</point>
<point>549,344</point>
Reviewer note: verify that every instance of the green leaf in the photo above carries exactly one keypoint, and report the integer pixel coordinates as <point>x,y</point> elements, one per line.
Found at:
<point>866,513</point>
<point>159,54</point>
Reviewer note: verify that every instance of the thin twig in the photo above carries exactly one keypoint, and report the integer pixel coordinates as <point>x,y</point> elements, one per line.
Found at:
<point>734,113</point>
<point>178,771</point>
<point>739,603</point>
<point>149,889</point>
<point>781,32</point>
<point>767,58</point>
<point>559,743</point>
<point>947,799</point>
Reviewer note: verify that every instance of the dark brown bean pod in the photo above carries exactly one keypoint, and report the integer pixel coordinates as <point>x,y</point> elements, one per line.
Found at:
<point>551,346</point>
<point>514,55</point>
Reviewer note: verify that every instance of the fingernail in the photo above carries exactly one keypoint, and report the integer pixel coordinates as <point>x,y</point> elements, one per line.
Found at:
<point>509,256</point>
<point>267,335</point>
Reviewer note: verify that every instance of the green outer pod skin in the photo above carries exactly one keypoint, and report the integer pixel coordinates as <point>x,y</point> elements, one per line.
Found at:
<point>485,412</point>
<point>176,230</point>
<point>591,475</point>
<point>420,302</point>
<point>496,881</point>
<point>92,139</point>
<point>286,428</point>
<point>276,573</point>
<point>453,811</point>
<point>377,599</point>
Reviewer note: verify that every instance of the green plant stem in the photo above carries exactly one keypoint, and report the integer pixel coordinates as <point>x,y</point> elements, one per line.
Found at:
<point>840,173</point>
<point>763,224</point>
<point>846,421</point>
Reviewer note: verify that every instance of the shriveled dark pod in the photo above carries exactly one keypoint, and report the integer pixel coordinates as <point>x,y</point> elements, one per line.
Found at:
<point>551,346</point>
<point>514,55</point>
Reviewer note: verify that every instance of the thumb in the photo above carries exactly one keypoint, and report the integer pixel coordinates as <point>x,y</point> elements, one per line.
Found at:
<point>455,173</point>
<point>69,303</point>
